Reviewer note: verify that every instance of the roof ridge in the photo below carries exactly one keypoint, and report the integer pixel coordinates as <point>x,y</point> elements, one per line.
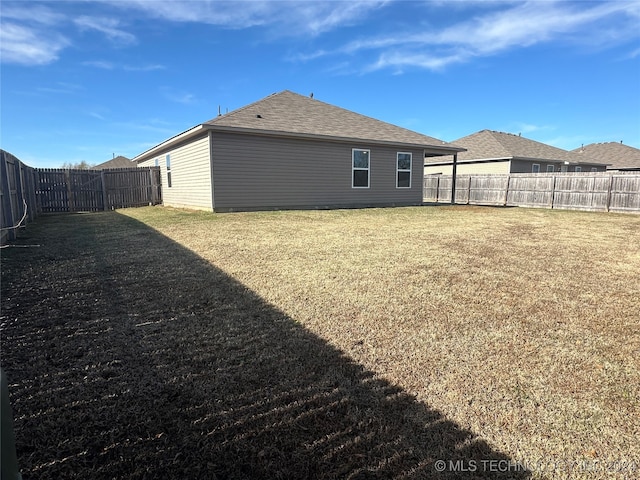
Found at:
<point>244,107</point>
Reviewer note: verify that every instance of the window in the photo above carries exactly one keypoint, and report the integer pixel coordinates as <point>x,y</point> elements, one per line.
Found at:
<point>360,168</point>
<point>594,169</point>
<point>550,168</point>
<point>168,160</point>
<point>535,168</point>
<point>403,170</point>
<point>578,169</point>
<point>157,162</point>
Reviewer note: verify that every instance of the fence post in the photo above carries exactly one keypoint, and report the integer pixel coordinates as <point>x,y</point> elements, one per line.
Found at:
<point>506,190</point>
<point>609,192</point>
<point>67,177</point>
<point>553,192</point>
<point>454,172</point>
<point>7,213</point>
<point>104,190</point>
<point>154,188</point>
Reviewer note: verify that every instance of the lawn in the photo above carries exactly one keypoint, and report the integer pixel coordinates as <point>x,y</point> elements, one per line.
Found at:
<point>325,344</point>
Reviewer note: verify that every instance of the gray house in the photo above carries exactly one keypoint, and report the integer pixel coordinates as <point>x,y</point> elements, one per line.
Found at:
<point>290,151</point>
<point>488,151</point>
<point>619,156</point>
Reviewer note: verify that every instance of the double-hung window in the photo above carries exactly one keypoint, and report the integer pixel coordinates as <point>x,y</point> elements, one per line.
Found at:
<point>535,168</point>
<point>168,160</point>
<point>403,170</point>
<point>360,163</point>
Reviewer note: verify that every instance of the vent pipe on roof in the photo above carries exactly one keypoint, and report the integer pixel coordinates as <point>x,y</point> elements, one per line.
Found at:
<point>311,95</point>
<point>219,114</point>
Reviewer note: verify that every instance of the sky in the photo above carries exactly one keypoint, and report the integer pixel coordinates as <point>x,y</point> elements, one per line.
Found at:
<point>87,80</point>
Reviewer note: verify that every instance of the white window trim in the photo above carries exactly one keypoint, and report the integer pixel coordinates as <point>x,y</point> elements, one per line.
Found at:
<point>402,169</point>
<point>167,161</point>
<point>533,170</point>
<point>551,168</point>
<point>594,169</point>
<point>578,168</point>
<point>353,168</point>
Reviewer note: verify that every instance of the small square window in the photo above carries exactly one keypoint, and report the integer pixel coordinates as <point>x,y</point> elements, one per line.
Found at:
<point>535,168</point>
<point>550,168</point>
<point>578,169</point>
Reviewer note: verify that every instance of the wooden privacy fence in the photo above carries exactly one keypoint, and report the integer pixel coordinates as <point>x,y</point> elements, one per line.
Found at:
<point>26,192</point>
<point>65,190</point>
<point>17,195</point>
<point>594,191</point>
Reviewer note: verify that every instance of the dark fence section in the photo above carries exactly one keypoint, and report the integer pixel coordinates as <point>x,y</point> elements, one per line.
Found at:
<point>26,192</point>
<point>17,195</point>
<point>64,190</point>
<point>598,191</point>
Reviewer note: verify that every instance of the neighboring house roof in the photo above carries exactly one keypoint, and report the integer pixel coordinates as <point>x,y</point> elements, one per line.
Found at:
<point>117,162</point>
<point>289,114</point>
<point>618,155</point>
<point>492,145</point>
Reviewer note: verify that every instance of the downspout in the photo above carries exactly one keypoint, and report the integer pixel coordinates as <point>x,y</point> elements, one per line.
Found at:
<point>453,178</point>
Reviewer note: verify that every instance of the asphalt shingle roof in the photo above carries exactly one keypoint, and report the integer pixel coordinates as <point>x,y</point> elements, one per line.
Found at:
<point>614,153</point>
<point>491,144</point>
<point>117,162</point>
<point>287,112</point>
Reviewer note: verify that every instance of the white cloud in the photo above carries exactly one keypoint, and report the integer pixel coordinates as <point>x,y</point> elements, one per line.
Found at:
<point>28,46</point>
<point>289,17</point>
<point>177,96</point>
<point>106,65</point>
<point>519,25</point>
<point>99,64</point>
<point>107,26</point>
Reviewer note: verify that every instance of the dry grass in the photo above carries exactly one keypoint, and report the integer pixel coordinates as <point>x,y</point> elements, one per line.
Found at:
<point>521,325</point>
<point>516,330</point>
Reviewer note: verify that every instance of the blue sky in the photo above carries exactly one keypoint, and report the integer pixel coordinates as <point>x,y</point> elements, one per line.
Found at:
<point>83,80</point>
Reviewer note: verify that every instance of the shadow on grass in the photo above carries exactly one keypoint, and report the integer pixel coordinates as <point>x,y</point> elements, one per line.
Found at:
<point>129,356</point>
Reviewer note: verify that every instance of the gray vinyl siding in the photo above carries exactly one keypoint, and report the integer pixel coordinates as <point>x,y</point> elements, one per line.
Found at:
<point>190,175</point>
<point>261,172</point>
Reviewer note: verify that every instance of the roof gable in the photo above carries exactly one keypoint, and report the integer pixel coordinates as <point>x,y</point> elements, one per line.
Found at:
<point>614,153</point>
<point>290,113</point>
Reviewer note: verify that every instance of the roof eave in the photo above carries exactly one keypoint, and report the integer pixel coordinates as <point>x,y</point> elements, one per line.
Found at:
<point>181,137</point>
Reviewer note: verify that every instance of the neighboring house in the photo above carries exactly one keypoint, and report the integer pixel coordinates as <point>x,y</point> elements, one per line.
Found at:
<point>620,157</point>
<point>117,162</point>
<point>292,151</point>
<point>498,152</point>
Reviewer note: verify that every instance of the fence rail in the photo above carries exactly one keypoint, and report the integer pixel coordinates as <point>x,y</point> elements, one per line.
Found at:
<point>26,192</point>
<point>592,191</point>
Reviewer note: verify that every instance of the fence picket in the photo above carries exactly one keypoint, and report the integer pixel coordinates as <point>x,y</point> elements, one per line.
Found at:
<point>597,191</point>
